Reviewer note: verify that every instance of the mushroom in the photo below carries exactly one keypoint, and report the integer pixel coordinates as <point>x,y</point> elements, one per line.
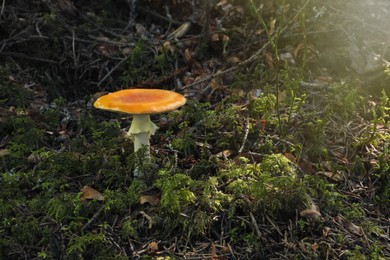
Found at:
<point>141,103</point>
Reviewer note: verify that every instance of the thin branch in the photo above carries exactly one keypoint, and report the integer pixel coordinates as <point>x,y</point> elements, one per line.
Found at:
<point>231,69</point>
<point>112,70</point>
<point>251,58</point>
<point>254,223</point>
<point>93,219</point>
<point>74,49</point>
<point>2,9</point>
<point>19,55</point>
<point>245,134</point>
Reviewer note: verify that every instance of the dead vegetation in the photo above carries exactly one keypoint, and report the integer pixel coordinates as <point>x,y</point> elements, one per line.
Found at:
<point>281,152</point>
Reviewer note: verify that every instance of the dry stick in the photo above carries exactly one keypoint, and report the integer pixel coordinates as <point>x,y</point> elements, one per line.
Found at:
<point>254,223</point>
<point>157,15</point>
<point>132,14</point>
<point>2,9</point>
<point>37,29</point>
<point>112,70</point>
<point>250,59</point>
<point>97,39</point>
<point>74,49</point>
<point>94,217</point>
<point>19,55</point>
<point>220,73</point>
<point>18,40</point>
<point>245,135</point>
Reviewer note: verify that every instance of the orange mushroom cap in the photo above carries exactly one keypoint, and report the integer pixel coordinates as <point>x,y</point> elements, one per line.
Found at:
<point>141,101</point>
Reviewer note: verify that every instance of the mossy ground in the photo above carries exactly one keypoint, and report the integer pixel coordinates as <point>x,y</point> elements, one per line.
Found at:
<point>257,165</point>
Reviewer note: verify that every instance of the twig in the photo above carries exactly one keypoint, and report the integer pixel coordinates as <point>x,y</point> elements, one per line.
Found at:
<point>94,217</point>
<point>132,14</point>
<point>274,225</point>
<point>74,49</point>
<point>220,73</point>
<point>115,43</point>
<point>254,222</point>
<point>19,55</point>
<point>250,59</point>
<point>2,9</point>
<point>245,135</point>
<point>157,15</point>
<point>111,71</point>
<point>18,40</point>
<point>37,29</point>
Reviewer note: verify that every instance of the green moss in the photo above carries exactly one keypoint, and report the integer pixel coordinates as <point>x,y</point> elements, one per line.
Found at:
<point>176,191</point>
<point>129,229</point>
<point>272,184</point>
<point>278,165</point>
<point>243,206</point>
<point>344,99</point>
<point>314,136</point>
<point>26,136</point>
<point>264,106</point>
<point>326,193</point>
<point>186,144</point>
<point>12,92</point>
<point>80,244</point>
<point>62,207</point>
<point>135,64</point>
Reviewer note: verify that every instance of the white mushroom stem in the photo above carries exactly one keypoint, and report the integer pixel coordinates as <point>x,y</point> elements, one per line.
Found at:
<point>140,130</point>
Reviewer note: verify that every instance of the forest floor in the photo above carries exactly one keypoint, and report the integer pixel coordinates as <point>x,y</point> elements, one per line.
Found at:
<point>282,150</point>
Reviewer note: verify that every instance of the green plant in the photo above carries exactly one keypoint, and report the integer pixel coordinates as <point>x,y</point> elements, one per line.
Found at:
<point>314,136</point>
<point>135,64</point>
<point>79,244</point>
<point>186,142</point>
<point>380,116</point>
<point>326,193</point>
<point>129,229</point>
<point>263,107</point>
<point>176,191</point>
<point>356,254</point>
<point>12,92</point>
<point>272,184</point>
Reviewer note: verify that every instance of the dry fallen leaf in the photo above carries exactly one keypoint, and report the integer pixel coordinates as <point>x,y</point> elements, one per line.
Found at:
<point>214,255</point>
<point>4,152</point>
<point>306,166</point>
<point>34,158</point>
<point>357,230</point>
<point>325,231</point>
<point>269,59</point>
<point>374,163</point>
<point>153,200</point>
<point>224,154</point>
<point>310,213</point>
<point>233,60</point>
<point>167,47</point>
<point>315,247</point>
<point>272,26</point>
<point>90,194</point>
<point>152,247</point>
<point>291,157</point>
